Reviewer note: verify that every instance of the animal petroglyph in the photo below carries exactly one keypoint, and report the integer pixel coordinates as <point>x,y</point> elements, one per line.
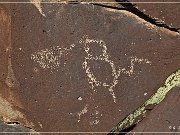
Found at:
<point>51,59</point>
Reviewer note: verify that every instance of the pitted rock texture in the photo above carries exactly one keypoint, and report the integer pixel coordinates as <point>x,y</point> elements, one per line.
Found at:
<point>163,118</point>
<point>167,13</point>
<point>83,67</point>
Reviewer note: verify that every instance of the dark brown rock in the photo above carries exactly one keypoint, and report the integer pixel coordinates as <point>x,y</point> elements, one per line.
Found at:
<point>60,87</point>
<point>167,13</point>
<point>163,118</point>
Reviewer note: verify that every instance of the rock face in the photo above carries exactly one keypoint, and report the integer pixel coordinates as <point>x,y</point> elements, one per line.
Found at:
<point>80,67</point>
<point>164,12</point>
<point>163,118</point>
<point>14,129</point>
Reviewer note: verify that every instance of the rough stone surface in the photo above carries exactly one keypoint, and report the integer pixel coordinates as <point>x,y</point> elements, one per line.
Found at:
<point>13,129</point>
<point>8,101</point>
<point>81,67</point>
<point>165,12</point>
<point>163,118</point>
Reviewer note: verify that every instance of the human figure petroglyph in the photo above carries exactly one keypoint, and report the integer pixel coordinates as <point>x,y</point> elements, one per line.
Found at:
<point>51,59</point>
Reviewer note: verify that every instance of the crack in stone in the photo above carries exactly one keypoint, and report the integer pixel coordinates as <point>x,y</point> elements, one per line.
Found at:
<point>131,8</point>
<point>162,91</point>
<point>128,6</point>
<point>13,127</point>
<point>135,117</point>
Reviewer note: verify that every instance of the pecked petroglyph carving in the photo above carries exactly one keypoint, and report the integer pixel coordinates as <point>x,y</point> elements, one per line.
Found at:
<point>104,56</point>
<point>51,59</point>
<point>133,61</point>
<point>83,111</point>
<point>96,115</point>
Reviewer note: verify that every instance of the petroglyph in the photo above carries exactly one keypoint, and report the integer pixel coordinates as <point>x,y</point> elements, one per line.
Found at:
<point>83,111</point>
<point>104,56</point>
<point>133,61</point>
<point>51,58</point>
<point>95,122</point>
<point>96,118</point>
